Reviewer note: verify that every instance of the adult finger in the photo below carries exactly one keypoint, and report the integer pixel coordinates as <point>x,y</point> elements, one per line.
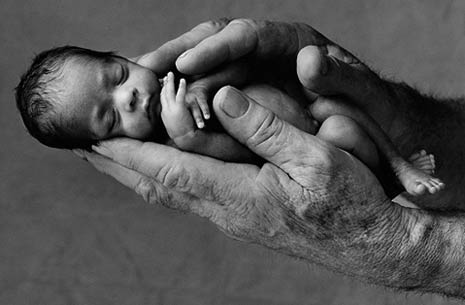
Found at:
<point>275,140</point>
<point>328,70</point>
<point>200,176</point>
<point>332,70</point>
<point>262,39</point>
<point>151,190</point>
<point>162,60</point>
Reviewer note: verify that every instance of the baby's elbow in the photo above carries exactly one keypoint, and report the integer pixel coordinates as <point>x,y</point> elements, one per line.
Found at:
<point>189,142</point>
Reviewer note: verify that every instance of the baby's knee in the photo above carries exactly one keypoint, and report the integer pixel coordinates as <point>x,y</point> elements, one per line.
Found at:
<point>324,108</point>
<point>340,128</point>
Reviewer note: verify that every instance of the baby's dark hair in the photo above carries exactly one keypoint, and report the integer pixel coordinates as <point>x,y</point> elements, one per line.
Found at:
<point>36,99</point>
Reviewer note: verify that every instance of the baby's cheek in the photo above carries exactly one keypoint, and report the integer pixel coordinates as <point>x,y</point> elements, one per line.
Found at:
<point>139,129</point>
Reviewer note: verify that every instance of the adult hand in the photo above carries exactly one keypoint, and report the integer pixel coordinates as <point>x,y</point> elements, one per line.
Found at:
<point>412,121</point>
<point>323,67</point>
<point>311,200</point>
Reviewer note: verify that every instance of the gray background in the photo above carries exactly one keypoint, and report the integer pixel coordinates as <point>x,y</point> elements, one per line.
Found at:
<point>69,235</point>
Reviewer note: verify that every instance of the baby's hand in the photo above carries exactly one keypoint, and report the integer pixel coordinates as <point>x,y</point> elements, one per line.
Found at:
<point>197,102</point>
<point>175,114</point>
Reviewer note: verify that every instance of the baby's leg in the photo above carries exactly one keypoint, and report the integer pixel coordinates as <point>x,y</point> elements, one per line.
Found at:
<point>346,134</point>
<point>415,181</point>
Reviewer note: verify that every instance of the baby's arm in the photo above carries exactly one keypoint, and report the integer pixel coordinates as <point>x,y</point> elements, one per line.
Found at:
<point>415,179</point>
<point>202,90</point>
<point>180,127</point>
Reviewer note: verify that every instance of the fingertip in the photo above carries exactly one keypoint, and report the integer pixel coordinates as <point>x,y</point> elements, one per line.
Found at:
<point>205,109</point>
<point>182,84</point>
<point>312,64</point>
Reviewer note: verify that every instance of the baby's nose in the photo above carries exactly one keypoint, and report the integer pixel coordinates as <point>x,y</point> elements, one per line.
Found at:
<point>130,100</point>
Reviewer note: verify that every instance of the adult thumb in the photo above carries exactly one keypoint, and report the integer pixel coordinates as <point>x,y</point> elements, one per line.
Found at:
<point>266,134</point>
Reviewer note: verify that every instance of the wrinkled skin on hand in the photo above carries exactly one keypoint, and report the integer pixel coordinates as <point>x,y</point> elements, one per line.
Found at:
<point>311,200</point>
<point>412,121</point>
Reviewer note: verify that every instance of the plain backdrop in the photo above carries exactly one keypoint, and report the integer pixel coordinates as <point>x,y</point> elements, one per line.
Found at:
<point>70,235</point>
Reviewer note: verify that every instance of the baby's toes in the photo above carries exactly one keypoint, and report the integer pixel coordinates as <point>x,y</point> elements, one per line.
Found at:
<point>433,185</point>
<point>432,160</point>
<point>427,168</point>
<point>425,163</point>
<point>416,155</point>
<point>438,184</point>
<point>419,189</point>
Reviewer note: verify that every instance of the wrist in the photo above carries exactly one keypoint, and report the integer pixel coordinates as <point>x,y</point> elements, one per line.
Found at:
<point>187,141</point>
<point>374,242</point>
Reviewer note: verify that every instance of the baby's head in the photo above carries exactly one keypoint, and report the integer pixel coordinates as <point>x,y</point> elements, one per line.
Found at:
<point>73,97</point>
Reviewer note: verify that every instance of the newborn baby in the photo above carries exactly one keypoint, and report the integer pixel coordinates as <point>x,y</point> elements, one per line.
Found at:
<point>73,97</point>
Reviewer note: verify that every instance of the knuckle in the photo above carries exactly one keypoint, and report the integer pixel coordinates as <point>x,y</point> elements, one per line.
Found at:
<point>145,188</point>
<point>271,128</point>
<point>215,25</point>
<point>327,159</point>
<point>243,22</point>
<point>132,162</point>
<point>174,176</point>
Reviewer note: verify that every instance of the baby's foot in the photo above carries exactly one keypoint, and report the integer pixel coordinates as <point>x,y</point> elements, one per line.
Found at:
<point>416,177</point>
<point>423,161</point>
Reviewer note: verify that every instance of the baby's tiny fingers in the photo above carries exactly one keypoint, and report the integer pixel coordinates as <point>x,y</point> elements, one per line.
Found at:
<point>181,95</point>
<point>197,115</point>
<point>204,106</point>
<point>169,85</point>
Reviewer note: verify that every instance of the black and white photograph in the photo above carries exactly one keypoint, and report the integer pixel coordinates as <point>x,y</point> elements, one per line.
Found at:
<point>232,152</point>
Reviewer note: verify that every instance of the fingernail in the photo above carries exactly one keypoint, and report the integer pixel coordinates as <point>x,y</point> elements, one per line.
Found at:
<point>185,53</point>
<point>234,104</point>
<point>79,153</point>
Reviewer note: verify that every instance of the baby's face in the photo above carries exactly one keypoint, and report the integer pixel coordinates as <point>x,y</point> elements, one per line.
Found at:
<point>101,100</point>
